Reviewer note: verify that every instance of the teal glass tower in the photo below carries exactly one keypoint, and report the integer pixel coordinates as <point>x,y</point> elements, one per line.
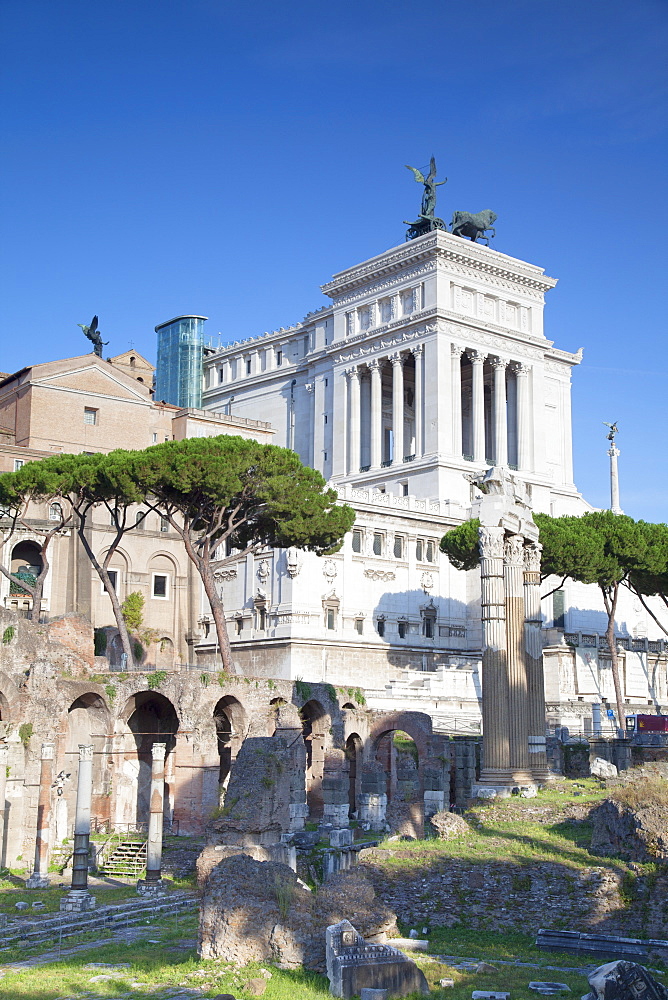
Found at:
<point>178,378</point>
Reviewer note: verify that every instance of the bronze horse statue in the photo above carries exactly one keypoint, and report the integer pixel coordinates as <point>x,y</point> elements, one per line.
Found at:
<point>473,226</point>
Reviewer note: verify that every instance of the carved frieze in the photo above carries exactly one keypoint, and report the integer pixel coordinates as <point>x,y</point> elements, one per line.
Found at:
<point>225,574</point>
<point>379,574</point>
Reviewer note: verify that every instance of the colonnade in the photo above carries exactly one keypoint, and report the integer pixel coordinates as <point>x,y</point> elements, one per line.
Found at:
<point>491,410</point>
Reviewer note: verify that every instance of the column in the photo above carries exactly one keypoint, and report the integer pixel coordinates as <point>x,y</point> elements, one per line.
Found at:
<point>478,405</point>
<point>494,676</point>
<point>457,352</point>
<point>500,416</point>
<point>339,420</point>
<point>613,452</point>
<point>518,714</point>
<point>523,419</point>
<point>153,879</point>
<point>354,446</point>
<point>79,898</point>
<point>419,392</point>
<point>533,643</point>
<point>3,792</point>
<point>39,878</point>
<point>376,413</point>
<point>310,389</point>
<point>397,409</point>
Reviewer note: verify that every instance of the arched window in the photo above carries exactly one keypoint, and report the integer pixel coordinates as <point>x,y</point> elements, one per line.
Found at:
<point>55,512</point>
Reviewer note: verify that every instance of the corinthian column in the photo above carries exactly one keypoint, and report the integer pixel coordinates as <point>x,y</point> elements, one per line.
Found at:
<point>153,879</point>
<point>523,419</point>
<point>39,878</point>
<point>517,671</point>
<point>417,354</point>
<point>79,898</point>
<point>354,449</point>
<point>534,662</point>
<point>3,792</point>
<point>457,352</point>
<point>397,408</point>
<point>376,414</point>
<point>500,417</point>
<point>494,675</point>
<point>478,405</point>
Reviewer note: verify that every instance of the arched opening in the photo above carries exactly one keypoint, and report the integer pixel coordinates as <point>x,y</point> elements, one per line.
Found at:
<point>26,564</point>
<point>164,654</point>
<point>153,719</point>
<point>397,753</point>
<point>87,724</point>
<point>315,726</point>
<point>353,755</point>
<point>228,716</point>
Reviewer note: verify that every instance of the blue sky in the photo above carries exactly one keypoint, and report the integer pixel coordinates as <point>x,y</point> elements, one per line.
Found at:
<point>170,156</point>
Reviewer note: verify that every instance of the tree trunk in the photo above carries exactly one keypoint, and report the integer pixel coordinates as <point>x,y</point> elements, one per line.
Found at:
<point>203,565</point>
<point>115,603</point>
<point>610,596</point>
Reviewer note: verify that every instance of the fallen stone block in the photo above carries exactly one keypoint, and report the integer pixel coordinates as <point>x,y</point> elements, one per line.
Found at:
<point>354,965</point>
<point>601,768</point>
<point>624,981</point>
<point>549,989</point>
<point>490,995</point>
<point>369,993</point>
<point>255,987</point>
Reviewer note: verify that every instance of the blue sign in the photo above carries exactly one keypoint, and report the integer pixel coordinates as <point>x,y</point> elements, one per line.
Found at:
<point>611,714</point>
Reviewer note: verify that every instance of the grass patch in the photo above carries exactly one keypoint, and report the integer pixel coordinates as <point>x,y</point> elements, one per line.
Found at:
<point>643,792</point>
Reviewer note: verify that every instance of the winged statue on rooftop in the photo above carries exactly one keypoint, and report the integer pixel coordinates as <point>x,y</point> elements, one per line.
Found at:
<point>427,221</point>
<point>94,336</point>
<point>613,430</point>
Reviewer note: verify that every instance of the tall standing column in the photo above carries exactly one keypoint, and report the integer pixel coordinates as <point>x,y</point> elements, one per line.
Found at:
<point>397,409</point>
<point>500,416</point>
<point>613,452</point>
<point>533,643</point>
<point>354,446</point>
<point>376,414</point>
<point>3,792</point>
<point>523,418</point>
<point>39,878</point>
<point>417,353</point>
<point>495,741</point>
<point>153,879</point>
<point>478,405</point>
<point>79,898</point>
<point>518,715</point>
<point>457,352</point>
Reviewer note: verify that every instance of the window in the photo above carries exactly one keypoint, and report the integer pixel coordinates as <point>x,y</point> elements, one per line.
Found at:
<point>55,512</point>
<point>428,626</point>
<point>404,489</point>
<point>249,366</point>
<point>239,626</point>
<point>132,362</point>
<point>559,608</point>
<point>325,418</point>
<point>18,464</point>
<point>90,416</point>
<point>221,375</point>
<point>377,543</point>
<point>430,551</point>
<point>306,344</point>
<point>262,619</point>
<point>154,437</point>
<point>113,580</point>
<point>331,618</point>
<point>398,547</point>
<point>279,358</point>
<point>160,586</point>
<point>326,382</point>
<point>380,626</point>
<point>359,626</point>
<point>418,550</point>
<point>402,629</point>
<point>139,518</point>
<point>357,540</point>
<point>164,525</point>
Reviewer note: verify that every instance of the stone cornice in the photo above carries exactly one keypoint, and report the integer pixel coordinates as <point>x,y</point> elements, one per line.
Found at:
<point>443,247</point>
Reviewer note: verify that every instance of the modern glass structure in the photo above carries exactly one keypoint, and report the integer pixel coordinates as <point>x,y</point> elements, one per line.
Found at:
<point>178,377</point>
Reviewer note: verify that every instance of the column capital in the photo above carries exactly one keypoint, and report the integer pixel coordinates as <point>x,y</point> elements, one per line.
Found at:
<point>491,542</point>
<point>476,357</point>
<point>513,551</point>
<point>520,368</point>
<point>309,386</point>
<point>497,362</point>
<point>48,751</point>
<point>396,359</point>
<point>353,372</point>
<point>158,751</point>
<point>457,350</point>
<point>417,350</point>
<point>532,553</point>
<point>374,365</point>
<point>85,753</point>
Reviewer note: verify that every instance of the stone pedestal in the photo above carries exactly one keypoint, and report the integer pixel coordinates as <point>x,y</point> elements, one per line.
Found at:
<point>146,888</point>
<point>77,901</point>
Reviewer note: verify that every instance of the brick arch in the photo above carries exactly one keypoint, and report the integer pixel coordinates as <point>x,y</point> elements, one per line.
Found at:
<point>416,724</point>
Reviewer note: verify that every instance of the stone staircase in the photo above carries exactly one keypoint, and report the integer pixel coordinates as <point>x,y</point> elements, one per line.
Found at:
<point>126,860</point>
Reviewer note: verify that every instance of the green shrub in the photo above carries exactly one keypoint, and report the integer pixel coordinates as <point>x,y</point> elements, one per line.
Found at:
<point>331,692</point>
<point>8,635</point>
<point>204,680</point>
<point>132,610</point>
<point>111,692</point>
<point>155,679</point>
<point>25,732</point>
<point>100,640</point>
<point>303,689</point>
